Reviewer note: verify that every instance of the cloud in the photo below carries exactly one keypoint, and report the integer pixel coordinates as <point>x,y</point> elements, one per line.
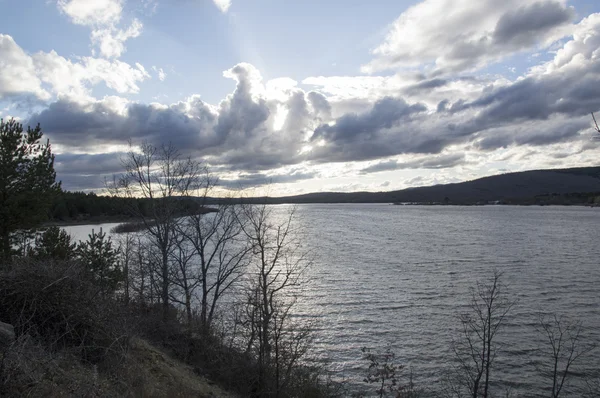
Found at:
<point>111,41</point>
<point>44,75</point>
<point>76,126</point>
<point>459,35</point>
<point>239,134</point>
<point>74,78</point>
<point>566,86</point>
<point>17,72</point>
<point>87,171</point>
<point>522,27</point>
<point>92,13</point>
<point>436,162</point>
<point>261,179</point>
<point>162,75</point>
<point>223,5</point>
<point>103,17</point>
<point>88,164</point>
<point>384,130</point>
<point>384,114</point>
<point>423,122</point>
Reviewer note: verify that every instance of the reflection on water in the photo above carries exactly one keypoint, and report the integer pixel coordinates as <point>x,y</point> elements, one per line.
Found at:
<point>399,274</point>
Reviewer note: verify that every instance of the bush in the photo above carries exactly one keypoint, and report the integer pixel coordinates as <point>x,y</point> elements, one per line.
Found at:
<point>58,304</point>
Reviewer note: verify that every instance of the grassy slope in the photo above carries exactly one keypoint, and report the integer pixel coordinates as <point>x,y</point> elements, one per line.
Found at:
<point>146,372</point>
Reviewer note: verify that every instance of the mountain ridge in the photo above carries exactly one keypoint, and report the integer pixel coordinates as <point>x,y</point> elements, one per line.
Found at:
<point>514,188</point>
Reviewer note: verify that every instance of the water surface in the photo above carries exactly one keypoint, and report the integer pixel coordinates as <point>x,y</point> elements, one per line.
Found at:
<point>399,275</point>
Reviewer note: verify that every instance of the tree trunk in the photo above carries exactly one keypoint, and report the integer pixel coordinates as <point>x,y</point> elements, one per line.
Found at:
<point>165,285</point>
<point>5,244</point>
<point>188,307</point>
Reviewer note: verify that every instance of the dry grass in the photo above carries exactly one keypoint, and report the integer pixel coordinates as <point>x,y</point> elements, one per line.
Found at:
<point>32,371</point>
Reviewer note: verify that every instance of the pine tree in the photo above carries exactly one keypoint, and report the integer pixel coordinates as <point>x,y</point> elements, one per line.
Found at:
<point>27,181</point>
<point>101,260</point>
<point>55,244</point>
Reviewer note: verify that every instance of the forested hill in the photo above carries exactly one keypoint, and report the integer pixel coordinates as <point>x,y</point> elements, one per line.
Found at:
<point>560,186</point>
<point>557,186</point>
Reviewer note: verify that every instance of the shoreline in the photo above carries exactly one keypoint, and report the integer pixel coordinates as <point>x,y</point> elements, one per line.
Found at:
<point>94,221</point>
<point>127,220</point>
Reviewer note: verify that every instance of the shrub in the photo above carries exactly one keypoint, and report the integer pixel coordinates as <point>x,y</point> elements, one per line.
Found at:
<point>59,305</point>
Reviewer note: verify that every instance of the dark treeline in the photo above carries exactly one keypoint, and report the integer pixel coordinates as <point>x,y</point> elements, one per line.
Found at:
<point>575,186</point>
<point>90,207</point>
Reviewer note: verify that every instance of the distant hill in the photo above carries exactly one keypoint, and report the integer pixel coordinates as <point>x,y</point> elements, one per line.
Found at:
<point>574,186</point>
<point>556,186</point>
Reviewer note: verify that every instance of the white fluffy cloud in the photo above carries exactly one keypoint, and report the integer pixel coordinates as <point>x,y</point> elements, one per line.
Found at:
<point>111,41</point>
<point>74,79</point>
<point>92,13</point>
<point>45,74</point>
<point>223,5</point>
<point>103,17</point>
<point>583,50</point>
<point>459,35</point>
<point>17,71</point>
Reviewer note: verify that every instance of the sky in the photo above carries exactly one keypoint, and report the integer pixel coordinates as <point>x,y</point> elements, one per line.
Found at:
<point>289,97</point>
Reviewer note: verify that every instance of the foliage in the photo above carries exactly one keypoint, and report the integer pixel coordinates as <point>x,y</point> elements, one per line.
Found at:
<point>27,181</point>
<point>58,304</point>
<point>54,243</point>
<point>101,261</point>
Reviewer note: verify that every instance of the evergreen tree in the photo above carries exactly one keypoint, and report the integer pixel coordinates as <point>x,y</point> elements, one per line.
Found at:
<point>55,244</point>
<point>27,181</point>
<point>101,260</point>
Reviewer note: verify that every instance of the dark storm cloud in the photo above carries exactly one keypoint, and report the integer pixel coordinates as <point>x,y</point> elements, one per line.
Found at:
<point>74,182</point>
<point>572,95</point>
<point>381,166</point>
<point>239,113</point>
<point>391,127</point>
<point>86,164</point>
<point>443,105</point>
<point>257,159</point>
<point>522,27</point>
<point>384,114</point>
<point>320,104</point>
<point>84,126</point>
<point>261,179</point>
<point>533,135</point>
<point>85,171</point>
<point>437,162</point>
<point>426,85</point>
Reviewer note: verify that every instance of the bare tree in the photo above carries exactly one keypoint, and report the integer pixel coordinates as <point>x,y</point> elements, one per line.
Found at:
<point>183,276</point>
<point>220,250</point>
<point>161,176</point>
<point>277,268</point>
<point>476,350</point>
<point>564,346</point>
